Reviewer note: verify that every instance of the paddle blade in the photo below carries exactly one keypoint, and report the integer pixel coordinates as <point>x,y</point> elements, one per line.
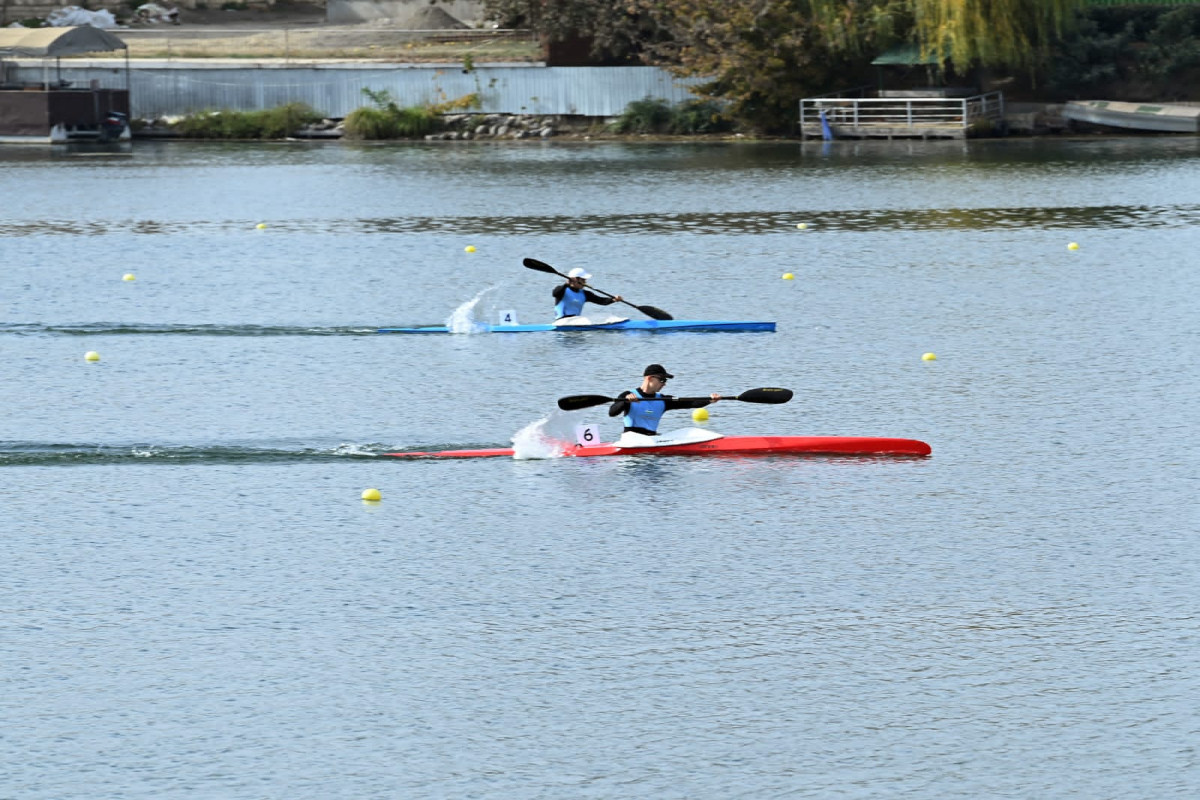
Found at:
<point>654,313</point>
<point>771,396</point>
<point>540,266</point>
<point>578,401</point>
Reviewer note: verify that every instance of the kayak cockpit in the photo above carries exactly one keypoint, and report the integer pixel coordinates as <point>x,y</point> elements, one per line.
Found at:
<point>630,440</point>
<point>583,322</point>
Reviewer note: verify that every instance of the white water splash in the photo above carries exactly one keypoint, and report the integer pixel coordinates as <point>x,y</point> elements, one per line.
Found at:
<point>352,449</point>
<point>533,441</point>
<point>463,318</point>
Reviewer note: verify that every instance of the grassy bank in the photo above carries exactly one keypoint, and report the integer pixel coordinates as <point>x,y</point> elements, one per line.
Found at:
<point>350,43</point>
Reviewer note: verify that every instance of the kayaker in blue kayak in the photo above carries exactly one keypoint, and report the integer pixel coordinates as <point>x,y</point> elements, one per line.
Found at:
<point>569,297</point>
<point>645,405</point>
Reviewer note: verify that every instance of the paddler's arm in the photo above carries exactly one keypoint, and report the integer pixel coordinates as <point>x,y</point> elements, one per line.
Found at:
<point>558,292</point>
<point>621,405</point>
<point>691,402</point>
<point>600,301</point>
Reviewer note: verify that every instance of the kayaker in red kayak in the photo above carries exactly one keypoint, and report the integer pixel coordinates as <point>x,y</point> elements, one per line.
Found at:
<point>645,405</point>
<point>569,297</point>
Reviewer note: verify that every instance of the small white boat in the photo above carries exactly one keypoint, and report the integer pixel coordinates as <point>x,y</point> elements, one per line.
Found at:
<point>1154,117</point>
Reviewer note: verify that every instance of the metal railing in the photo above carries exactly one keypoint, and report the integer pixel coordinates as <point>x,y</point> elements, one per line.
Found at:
<point>850,110</point>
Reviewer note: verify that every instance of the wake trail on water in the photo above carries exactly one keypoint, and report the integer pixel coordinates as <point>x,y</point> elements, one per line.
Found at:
<point>83,453</point>
<point>550,436</point>
<point>179,329</point>
<point>530,443</point>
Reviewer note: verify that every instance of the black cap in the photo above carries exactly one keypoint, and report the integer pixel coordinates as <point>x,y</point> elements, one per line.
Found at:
<point>657,369</point>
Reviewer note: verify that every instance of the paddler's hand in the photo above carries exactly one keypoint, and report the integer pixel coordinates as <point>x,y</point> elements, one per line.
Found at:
<point>715,397</point>
<point>616,298</point>
<point>631,397</point>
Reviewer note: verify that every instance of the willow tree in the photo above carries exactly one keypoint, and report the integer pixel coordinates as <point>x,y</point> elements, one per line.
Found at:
<point>1018,34</point>
<point>761,56</point>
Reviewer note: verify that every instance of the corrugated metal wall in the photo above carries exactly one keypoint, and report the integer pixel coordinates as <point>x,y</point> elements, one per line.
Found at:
<point>167,88</point>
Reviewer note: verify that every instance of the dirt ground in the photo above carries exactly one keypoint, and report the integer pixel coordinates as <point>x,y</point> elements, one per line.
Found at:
<point>300,31</point>
<point>292,14</point>
<point>279,15</point>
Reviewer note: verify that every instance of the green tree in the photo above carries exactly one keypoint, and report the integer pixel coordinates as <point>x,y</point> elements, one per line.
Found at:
<point>761,56</point>
<point>1130,53</point>
<point>619,30</point>
<point>1018,34</point>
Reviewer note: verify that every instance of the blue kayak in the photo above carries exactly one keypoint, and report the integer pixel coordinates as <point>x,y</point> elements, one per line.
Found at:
<point>653,325</point>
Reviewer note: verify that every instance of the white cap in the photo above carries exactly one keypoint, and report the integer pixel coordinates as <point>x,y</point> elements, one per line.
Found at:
<point>579,273</point>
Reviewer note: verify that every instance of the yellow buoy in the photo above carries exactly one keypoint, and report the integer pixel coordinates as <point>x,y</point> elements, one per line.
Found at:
<point>929,357</point>
<point>261,226</point>
<point>700,414</point>
<point>470,248</point>
<point>1073,246</point>
<point>91,355</point>
<point>802,225</point>
<point>787,276</point>
<point>128,276</point>
<point>371,495</point>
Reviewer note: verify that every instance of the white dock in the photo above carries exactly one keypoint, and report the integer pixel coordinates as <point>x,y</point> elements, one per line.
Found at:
<point>901,114</point>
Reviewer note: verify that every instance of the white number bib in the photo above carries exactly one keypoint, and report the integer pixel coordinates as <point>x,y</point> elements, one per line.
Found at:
<point>587,435</point>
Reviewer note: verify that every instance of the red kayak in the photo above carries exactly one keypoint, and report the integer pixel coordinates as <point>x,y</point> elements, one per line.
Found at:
<point>694,442</point>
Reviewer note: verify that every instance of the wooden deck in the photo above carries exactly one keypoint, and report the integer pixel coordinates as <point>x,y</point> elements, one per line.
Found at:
<point>863,114</point>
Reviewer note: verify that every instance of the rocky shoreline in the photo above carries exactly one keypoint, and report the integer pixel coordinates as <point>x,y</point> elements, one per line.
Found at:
<point>457,127</point>
<point>512,126</point>
<point>1023,120</point>
<point>467,127</point>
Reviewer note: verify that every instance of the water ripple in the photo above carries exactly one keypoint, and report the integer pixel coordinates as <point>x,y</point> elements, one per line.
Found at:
<point>747,222</point>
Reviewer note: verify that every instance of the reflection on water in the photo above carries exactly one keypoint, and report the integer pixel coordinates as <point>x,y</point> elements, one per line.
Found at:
<point>968,219</point>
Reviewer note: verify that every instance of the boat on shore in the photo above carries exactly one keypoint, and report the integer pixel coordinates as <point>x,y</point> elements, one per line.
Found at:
<point>699,442</point>
<point>1151,117</point>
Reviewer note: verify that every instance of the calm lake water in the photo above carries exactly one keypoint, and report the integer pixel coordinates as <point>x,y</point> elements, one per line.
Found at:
<point>196,603</point>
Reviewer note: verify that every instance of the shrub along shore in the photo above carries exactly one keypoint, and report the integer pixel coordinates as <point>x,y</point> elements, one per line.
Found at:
<point>384,120</point>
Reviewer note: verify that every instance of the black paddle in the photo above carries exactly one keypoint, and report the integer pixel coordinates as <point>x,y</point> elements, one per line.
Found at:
<point>649,311</point>
<point>770,396</point>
